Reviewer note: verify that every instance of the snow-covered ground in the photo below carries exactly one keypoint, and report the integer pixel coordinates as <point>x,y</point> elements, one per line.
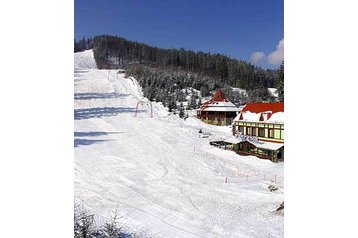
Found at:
<point>164,178</point>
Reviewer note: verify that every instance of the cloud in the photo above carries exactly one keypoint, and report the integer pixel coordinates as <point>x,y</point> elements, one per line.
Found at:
<point>272,58</point>
<point>257,56</point>
<point>276,57</point>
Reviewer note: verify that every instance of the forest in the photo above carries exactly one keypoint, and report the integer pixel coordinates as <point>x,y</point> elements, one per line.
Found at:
<point>172,76</point>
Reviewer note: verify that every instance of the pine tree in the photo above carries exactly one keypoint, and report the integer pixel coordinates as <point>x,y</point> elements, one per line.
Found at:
<point>111,229</point>
<point>75,46</point>
<point>181,110</point>
<point>172,105</point>
<point>199,102</point>
<point>192,102</point>
<point>281,84</point>
<point>83,223</point>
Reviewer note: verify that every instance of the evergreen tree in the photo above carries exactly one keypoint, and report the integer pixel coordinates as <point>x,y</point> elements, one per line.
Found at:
<point>181,110</point>
<point>281,84</point>
<point>172,105</point>
<point>111,228</point>
<point>199,102</point>
<point>205,90</point>
<point>192,102</point>
<point>75,46</point>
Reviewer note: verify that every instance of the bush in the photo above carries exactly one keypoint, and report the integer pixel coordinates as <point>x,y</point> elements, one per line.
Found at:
<point>85,226</point>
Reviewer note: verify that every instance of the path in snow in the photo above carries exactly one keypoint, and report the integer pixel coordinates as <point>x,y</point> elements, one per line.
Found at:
<point>164,178</point>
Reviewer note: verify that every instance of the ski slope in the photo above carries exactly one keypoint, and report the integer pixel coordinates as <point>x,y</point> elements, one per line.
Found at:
<point>164,178</point>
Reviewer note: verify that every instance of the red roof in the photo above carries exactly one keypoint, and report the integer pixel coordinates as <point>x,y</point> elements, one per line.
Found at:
<point>219,96</point>
<point>264,107</point>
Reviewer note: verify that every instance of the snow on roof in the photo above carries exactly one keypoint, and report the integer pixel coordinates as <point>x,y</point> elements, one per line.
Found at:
<point>262,112</point>
<point>219,103</point>
<point>220,109</point>
<point>268,145</point>
<point>220,106</point>
<point>262,145</point>
<point>232,139</point>
<point>273,92</point>
<point>265,117</point>
<point>277,117</point>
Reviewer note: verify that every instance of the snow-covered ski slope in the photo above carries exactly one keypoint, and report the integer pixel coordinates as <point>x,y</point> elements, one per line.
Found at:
<point>164,178</point>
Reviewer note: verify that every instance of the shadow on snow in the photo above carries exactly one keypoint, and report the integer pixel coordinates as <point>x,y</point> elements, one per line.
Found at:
<point>82,142</point>
<point>93,133</point>
<point>89,96</point>
<point>87,113</point>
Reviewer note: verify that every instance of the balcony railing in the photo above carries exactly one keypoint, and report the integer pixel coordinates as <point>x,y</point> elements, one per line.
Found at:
<point>210,117</point>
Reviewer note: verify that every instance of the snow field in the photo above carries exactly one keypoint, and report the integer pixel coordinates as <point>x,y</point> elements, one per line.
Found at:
<point>166,180</point>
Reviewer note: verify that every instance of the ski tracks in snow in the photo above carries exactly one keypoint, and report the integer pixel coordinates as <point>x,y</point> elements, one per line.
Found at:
<point>149,167</point>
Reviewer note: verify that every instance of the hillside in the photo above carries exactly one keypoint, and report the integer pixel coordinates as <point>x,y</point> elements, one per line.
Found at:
<point>208,71</point>
<point>164,178</point>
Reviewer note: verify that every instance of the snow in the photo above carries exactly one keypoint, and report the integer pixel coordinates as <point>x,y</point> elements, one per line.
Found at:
<point>277,117</point>
<point>262,144</point>
<point>268,145</point>
<point>248,116</point>
<point>240,90</point>
<point>84,60</point>
<point>164,178</point>
<point>220,107</point>
<point>273,92</point>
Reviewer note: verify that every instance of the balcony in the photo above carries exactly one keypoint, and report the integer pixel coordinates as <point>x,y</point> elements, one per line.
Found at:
<point>213,116</point>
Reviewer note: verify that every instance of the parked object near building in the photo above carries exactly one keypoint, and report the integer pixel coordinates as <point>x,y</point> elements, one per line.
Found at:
<point>218,111</point>
<point>259,131</point>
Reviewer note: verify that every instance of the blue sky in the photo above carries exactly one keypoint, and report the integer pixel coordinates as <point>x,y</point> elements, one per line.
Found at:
<point>244,29</point>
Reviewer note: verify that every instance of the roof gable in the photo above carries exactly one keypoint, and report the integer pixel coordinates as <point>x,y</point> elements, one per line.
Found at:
<point>219,96</point>
<point>218,102</point>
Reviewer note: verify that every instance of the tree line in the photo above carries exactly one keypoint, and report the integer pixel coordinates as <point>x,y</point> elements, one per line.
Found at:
<point>116,52</point>
<point>83,44</point>
<point>172,86</point>
<point>172,76</point>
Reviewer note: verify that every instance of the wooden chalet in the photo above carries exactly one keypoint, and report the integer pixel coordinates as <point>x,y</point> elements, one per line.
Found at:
<point>259,131</point>
<point>218,110</point>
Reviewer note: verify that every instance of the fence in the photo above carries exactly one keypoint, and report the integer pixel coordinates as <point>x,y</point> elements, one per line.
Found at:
<point>238,173</point>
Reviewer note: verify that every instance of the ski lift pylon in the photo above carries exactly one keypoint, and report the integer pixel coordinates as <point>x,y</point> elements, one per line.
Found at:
<point>142,103</point>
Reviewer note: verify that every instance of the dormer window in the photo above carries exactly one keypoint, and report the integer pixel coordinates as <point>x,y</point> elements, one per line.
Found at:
<point>265,116</point>
<point>262,117</point>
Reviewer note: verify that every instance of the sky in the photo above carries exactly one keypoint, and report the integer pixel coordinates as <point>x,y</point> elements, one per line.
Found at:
<point>251,30</point>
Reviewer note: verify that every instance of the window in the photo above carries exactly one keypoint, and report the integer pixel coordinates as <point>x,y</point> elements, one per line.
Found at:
<point>241,128</point>
<point>248,130</point>
<point>271,133</point>
<point>261,132</point>
<point>253,131</point>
